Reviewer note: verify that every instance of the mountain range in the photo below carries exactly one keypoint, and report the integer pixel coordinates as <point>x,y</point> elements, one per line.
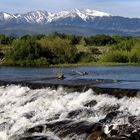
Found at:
<point>77,21</point>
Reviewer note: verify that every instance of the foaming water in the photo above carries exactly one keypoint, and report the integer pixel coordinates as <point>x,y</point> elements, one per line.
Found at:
<point>22,108</point>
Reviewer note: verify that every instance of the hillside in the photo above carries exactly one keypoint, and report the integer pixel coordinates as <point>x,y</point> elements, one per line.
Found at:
<point>79,22</point>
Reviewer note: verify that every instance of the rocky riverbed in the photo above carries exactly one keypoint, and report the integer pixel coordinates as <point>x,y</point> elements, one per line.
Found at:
<point>102,105</point>
<point>75,85</point>
<point>62,114</point>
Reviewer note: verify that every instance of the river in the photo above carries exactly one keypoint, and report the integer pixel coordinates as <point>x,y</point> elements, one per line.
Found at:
<point>60,114</point>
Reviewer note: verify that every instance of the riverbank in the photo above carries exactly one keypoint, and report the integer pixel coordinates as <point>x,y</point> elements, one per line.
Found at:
<point>96,64</point>
<point>77,65</point>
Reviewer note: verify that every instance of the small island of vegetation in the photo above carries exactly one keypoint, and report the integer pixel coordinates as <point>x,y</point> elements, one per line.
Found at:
<point>61,49</point>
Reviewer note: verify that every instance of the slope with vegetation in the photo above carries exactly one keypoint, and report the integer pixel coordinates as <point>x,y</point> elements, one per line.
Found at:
<point>58,48</point>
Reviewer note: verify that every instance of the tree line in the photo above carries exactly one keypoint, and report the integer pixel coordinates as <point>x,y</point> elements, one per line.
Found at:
<point>59,48</point>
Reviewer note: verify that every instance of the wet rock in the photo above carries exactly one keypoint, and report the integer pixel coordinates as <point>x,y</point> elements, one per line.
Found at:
<point>107,109</point>
<point>134,121</point>
<point>4,126</point>
<point>38,129</point>
<point>109,117</point>
<point>55,117</point>
<point>96,132</point>
<point>112,115</point>
<point>135,135</point>
<point>75,128</point>
<point>97,127</point>
<point>74,113</point>
<point>58,125</point>
<point>53,126</point>
<point>34,138</point>
<point>65,128</point>
<point>117,138</point>
<point>119,93</point>
<point>111,127</point>
<point>124,130</point>
<point>32,99</point>
<point>1,112</point>
<point>29,115</point>
<point>97,135</point>
<point>91,103</point>
<point>131,119</point>
<point>114,132</point>
<point>81,112</point>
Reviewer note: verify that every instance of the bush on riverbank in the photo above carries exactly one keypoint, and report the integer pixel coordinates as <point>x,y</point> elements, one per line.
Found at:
<point>116,56</point>
<point>57,48</point>
<point>135,54</point>
<point>44,51</point>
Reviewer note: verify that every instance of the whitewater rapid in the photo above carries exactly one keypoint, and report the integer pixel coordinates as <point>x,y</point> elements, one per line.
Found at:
<point>22,108</point>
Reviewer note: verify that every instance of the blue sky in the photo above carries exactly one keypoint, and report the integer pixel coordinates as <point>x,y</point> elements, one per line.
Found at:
<point>127,8</point>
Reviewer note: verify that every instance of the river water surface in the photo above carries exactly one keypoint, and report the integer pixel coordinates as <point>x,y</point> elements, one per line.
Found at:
<point>129,75</point>
<point>57,114</point>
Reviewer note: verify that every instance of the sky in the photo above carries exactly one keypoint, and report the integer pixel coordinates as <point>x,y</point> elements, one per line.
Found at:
<point>127,8</point>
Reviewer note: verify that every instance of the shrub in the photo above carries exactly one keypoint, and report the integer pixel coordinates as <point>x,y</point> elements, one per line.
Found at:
<point>95,51</point>
<point>115,56</point>
<point>124,46</point>
<point>25,50</point>
<point>135,54</point>
<point>100,40</point>
<point>83,57</point>
<point>58,50</point>
<point>42,62</point>
<point>6,40</point>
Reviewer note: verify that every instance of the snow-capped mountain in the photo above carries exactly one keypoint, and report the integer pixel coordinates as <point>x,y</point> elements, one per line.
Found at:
<point>5,16</point>
<point>39,17</point>
<point>83,14</point>
<point>43,17</point>
<point>76,21</point>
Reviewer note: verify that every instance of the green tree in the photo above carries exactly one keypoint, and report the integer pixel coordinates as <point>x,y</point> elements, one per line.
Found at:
<point>58,50</point>
<point>135,54</point>
<point>25,52</point>
<point>100,40</point>
<point>116,56</point>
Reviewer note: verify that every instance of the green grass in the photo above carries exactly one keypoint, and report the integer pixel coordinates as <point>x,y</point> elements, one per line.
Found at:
<point>96,64</point>
<point>85,64</point>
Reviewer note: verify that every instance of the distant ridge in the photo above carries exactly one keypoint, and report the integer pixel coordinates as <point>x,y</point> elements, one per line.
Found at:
<point>76,21</point>
<point>44,17</point>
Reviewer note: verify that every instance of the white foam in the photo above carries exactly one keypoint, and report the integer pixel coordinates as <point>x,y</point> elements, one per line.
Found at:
<point>3,135</point>
<point>17,102</point>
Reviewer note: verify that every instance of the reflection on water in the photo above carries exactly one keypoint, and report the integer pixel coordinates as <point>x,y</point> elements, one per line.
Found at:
<point>129,75</point>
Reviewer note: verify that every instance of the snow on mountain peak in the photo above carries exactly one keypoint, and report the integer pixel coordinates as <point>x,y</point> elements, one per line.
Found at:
<point>87,13</point>
<point>96,13</point>
<point>5,16</point>
<point>43,17</point>
<point>56,16</point>
<point>84,14</point>
<point>36,16</point>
